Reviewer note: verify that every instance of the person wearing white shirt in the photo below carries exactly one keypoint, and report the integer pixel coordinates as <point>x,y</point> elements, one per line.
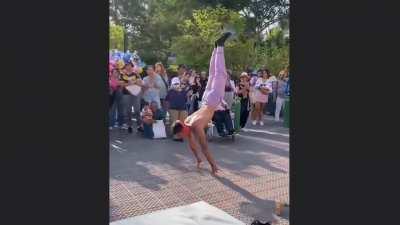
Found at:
<point>262,89</point>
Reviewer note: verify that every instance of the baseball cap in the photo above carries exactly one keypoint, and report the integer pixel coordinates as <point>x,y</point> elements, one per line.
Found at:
<point>175,81</point>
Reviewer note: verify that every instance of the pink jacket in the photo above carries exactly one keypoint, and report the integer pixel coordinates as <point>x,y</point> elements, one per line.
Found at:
<point>113,83</point>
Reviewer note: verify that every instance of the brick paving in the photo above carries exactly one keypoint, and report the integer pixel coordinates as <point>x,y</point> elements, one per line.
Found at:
<point>151,175</point>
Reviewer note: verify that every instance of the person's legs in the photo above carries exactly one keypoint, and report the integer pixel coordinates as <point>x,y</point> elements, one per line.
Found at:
<point>219,122</point>
<point>228,122</point>
<point>261,113</point>
<point>211,73</point>
<point>279,104</point>
<point>112,113</point>
<point>120,108</point>
<point>173,116</point>
<point>217,91</point>
<point>136,108</point>
<point>125,107</point>
<point>244,112</point>
<point>257,111</point>
<point>131,101</point>
<point>253,113</point>
<point>148,131</point>
<point>182,115</point>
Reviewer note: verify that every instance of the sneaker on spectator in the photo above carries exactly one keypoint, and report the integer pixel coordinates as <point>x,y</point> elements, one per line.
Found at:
<point>124,126</point>
<point>261,123</point>
<point>110,127</point>
<point>254,122</point>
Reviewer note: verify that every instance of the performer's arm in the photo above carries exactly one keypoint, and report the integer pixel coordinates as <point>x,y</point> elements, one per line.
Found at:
<point>192,144</point>
<point>202,138</point>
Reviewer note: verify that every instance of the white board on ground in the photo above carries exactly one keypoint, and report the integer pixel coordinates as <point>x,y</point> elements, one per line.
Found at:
<point>199,213</point>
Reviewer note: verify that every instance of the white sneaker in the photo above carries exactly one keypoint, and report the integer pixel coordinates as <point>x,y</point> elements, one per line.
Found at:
<point>261,123</point>
<point>110,128</point>
<point>254,123</point>
<point>124,127</point>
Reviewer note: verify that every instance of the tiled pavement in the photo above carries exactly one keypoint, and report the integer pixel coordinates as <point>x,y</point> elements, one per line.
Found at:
<point>151,175</point>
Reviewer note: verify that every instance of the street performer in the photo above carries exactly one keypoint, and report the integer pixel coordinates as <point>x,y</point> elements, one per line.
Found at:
<point>193,128</point>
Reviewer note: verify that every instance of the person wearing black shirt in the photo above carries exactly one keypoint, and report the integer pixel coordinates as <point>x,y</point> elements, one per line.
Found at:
<point>195,94</point>
<point>203,81</point>
<point>242,91</point>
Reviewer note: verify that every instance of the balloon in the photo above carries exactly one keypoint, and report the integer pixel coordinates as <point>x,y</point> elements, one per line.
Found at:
<point>120,64</point>
<point>127,58</point>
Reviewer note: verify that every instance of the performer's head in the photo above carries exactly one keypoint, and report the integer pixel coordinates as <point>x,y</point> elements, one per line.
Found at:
<point>180,130</point>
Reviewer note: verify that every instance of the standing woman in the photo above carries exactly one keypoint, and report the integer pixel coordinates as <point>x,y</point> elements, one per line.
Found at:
<point>243,92</point>
<point>253,80</point>
<point>162,72</point>
<point>262,89</point>
<point>113,82</point>
<point>280,99</point>
<point>195,97</point>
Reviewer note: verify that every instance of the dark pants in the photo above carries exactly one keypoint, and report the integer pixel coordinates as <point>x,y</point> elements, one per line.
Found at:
<point>244,111</point>
<point>148,131</point>
<point>222,119</point>
<point>129,101</point>
<point>270,106</point>
<point>115,109</point>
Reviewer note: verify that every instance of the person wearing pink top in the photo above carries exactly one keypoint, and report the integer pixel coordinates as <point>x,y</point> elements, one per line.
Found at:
<point>113,82</point>
<point>262,89</point>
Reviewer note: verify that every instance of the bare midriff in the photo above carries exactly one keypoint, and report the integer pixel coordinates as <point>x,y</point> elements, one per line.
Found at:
<point>201,117</point>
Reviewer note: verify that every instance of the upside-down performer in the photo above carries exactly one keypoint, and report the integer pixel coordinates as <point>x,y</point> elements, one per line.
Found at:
<point>193,128</point>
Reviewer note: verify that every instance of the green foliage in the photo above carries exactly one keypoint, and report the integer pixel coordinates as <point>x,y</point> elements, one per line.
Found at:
<point>274,52</point>
<point>116,37</point>
<point>172,70</point>
<point>157,28</point>
<point>194,47</point>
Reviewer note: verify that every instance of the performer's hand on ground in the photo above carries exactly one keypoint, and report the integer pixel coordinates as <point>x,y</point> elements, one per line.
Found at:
<point>214,169</point>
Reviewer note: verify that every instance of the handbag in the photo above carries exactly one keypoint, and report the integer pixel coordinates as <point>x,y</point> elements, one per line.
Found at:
<point>159,129</point>
<point>134,89</point>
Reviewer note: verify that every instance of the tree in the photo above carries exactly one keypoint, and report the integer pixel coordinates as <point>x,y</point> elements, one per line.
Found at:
<point>259,14</point>
<point>129,14</point>
<point>194,46</point>
<point>274,52</point>
<point>116,37</point>
<point>155,39</point>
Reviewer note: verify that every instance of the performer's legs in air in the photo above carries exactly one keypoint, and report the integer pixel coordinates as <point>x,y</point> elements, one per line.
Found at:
<point>215,89</point>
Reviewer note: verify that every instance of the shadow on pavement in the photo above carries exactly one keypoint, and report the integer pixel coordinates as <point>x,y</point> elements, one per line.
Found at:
<point>256,208</point>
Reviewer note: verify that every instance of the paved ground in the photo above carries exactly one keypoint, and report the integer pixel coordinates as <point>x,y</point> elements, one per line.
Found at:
<point>150,175</point>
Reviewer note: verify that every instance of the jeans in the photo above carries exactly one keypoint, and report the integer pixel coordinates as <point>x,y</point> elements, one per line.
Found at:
<point>244,111</point>
<point>129,101</point>
<point>280,103</point>
<point>115,109</point>
<point>148,131</point>
<point>221,119</point>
